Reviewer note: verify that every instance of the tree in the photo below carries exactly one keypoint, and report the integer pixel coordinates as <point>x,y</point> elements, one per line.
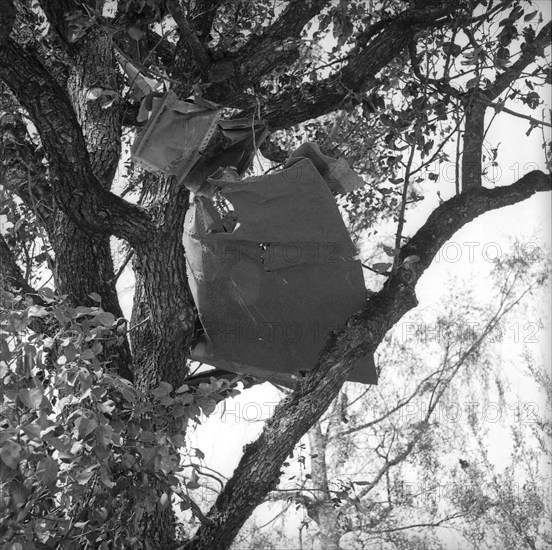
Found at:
<point>403,69</point>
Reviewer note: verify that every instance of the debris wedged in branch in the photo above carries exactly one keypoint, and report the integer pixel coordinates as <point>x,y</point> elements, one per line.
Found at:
<point>259,469</point>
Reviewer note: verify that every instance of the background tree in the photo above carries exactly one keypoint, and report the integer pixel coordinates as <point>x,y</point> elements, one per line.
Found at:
<point>414,73</point>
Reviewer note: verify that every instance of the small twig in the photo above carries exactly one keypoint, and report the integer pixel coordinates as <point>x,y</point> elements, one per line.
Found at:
<point>122,267</point>
<point>404,195</point>
<point>375,271</point>
<point>500,108</point>
<point>138,324</point>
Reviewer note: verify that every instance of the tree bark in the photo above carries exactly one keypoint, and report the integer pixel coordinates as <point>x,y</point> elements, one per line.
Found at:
<point>472,150</point>
<point>77,190</point>
<point>323,509</point>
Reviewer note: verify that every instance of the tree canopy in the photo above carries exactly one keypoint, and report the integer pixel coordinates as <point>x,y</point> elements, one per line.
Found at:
<point>96,406</point>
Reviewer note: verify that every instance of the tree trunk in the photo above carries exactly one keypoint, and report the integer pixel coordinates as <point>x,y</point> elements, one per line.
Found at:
<point>325,514</point>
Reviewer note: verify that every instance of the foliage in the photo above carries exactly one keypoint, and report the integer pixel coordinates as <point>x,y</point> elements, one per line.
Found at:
<point>85,454</point>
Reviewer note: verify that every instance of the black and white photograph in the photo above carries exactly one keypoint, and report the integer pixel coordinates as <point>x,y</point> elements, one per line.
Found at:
<point>275,275</point>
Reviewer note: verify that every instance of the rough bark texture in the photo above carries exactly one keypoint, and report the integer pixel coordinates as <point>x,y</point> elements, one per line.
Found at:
<point>323,510</point>
<point>474,131</point>
<point>77,190</point>
<point>359,75</point>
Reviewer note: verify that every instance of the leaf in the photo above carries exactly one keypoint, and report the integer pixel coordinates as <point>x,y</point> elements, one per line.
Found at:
<point>86,426</point>
<point>7,434</point>
<point>106,103</point>
<point>10,453</point>
<point>70,352</point>
<point>390,251</point>
<point>105,480</point>
<point>32,431</point>
<point>199,453</point>
<point>148,454</point>
<point>451,48</point>
<point>83,310</point>
<point>74,33</point>
<point>83,477</point>
<point>135,33</point>
<point>381,267</point>
<point>31,397</point>
<point>472,83</point>
<point>5,352</point>
<point>104,435</point>
<point>48,470</point>
<point>208,406</point>
<point>93,94</point>
<point>105,318</point>
<point>162,390</point>
<point>530,16</point>
<point>37,311</point>
<point>87,355</point>
<point>96,297</point>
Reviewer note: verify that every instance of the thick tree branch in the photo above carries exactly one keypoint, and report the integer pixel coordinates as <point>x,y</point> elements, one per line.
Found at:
<point>512,73</point>
<point>8,11</point>
<point>259,469</point>
<point>478,101</point>
<point>77,190</point>
<point>292,20</point>
<point>472,150</point>
<point>189,34</point>
<point>315,99</point>
<point>55,11</point>
<point>203,15</point>
<point>276,47</point>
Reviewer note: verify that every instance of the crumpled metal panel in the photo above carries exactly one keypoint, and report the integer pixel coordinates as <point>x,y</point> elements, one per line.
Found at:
<point>270,291</point>
<point>175,135</point>
<point>181,136</point>
<point>337,173</point>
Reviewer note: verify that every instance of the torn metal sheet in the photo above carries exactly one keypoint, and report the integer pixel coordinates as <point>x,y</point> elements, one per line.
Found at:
<point>181,137</point>
<point>337,173</point>
<point>270,291</point>
<point>175,135</point>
